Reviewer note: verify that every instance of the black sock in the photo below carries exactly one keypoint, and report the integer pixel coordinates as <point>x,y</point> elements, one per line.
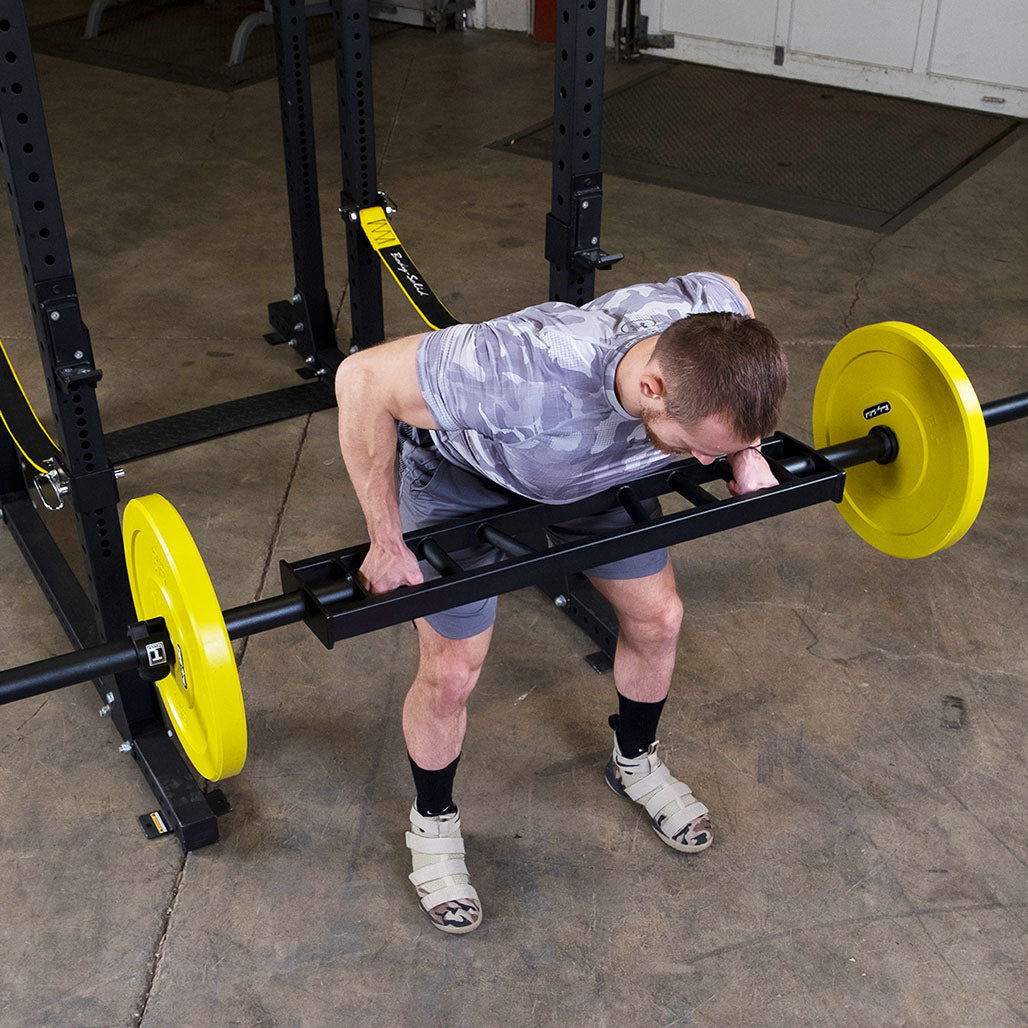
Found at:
<point>635,725</point>
<point>434,788</point>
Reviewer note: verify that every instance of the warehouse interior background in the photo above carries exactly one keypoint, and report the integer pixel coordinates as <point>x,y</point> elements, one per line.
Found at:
<point>856,722</point>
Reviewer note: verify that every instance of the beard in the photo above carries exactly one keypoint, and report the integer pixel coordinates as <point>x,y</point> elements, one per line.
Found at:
<point>649,421</point>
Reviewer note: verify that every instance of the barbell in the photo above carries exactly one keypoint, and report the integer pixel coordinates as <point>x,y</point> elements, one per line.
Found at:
<point>892,405</point>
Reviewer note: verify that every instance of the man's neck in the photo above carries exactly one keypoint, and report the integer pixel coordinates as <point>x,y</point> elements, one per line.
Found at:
<point>626,375</point>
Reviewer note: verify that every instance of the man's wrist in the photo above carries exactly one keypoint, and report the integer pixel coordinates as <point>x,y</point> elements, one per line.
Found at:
<point>741,454</point>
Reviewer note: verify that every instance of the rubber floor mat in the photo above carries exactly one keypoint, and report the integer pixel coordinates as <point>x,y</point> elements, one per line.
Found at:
<point>837,154</point>
<point>186,42</point>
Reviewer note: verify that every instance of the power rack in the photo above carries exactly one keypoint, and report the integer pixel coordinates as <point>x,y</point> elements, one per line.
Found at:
<point>96,612</point>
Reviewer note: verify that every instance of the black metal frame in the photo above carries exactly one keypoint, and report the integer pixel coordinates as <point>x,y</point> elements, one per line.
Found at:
<point>359,169</point>
<point>71,376</point>
<point>324,591</point>
<point>335,609</point>
<point>324,595</point>
<point>306,320</point>
<point>305,325</point>
<point>573,224</point>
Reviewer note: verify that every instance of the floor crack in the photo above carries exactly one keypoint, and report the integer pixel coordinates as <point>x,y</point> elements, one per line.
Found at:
<point>861,282</point>
<point>157,954</point>
<point>277,531</point>
<point>339,314</point>
<point>396,117</point>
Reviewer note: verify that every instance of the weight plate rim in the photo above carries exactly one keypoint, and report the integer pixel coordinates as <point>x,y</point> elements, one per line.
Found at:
<point>973,432</point>
<point>212,727</point>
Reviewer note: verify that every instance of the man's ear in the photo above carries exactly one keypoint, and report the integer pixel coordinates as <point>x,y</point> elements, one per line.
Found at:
<point>651,385</point>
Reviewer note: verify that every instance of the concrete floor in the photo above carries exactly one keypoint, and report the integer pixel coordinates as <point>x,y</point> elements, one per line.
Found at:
<point>870,862</point>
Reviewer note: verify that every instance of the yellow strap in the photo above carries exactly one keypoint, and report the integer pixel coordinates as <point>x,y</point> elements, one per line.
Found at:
<point>14,374</point>
<point>387,245</point>
<point>377,228</point>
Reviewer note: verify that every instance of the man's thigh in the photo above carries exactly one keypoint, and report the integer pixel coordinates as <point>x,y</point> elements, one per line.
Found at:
<point>640,566</point>
<point>432,490</point>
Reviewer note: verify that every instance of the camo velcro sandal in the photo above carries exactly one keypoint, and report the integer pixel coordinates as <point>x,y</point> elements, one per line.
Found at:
<point>440,874</point>
<point>676,815</point>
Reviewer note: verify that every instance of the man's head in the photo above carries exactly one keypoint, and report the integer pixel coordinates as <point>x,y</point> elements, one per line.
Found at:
<point>714,383</point>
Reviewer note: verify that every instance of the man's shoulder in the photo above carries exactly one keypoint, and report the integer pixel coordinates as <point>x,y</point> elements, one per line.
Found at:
<point>656,304</point>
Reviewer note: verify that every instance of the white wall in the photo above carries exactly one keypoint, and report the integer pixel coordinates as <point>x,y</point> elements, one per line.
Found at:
<point>969,53</point>
<point>514,15</point>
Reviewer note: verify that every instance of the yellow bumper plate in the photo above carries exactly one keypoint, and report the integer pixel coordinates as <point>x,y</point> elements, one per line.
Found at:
<point>899,376</point>
<point>202,693</point>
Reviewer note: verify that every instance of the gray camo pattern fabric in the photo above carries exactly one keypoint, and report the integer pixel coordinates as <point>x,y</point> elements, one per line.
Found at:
<point>527,400</point>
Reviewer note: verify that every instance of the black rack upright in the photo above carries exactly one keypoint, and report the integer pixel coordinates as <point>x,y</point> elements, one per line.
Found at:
<point>102,612</point>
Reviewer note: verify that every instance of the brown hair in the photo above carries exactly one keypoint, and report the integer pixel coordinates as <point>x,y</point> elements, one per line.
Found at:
<point>723,364</point>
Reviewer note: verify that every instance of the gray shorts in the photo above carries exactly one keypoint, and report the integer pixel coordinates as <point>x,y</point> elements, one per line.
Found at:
<point>433,489</point>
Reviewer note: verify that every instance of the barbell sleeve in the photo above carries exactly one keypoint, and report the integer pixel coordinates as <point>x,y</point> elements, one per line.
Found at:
<point>42,676</point>
<point>878,445</point>
<point>285,609</point>
<point>264,615</point>
<point>1010,408</point>
<point>881,445</point>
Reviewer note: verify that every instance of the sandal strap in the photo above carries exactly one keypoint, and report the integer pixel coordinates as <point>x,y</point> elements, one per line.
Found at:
<point>657,777</point>
<point>666,789</point>
<point>448,845</point>
<point>432,872</point>
<point>448,894</point>
<point>670,792</point>
<point>678,819</point>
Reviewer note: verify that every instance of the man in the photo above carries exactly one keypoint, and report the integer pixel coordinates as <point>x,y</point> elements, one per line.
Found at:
<point>554,403</point>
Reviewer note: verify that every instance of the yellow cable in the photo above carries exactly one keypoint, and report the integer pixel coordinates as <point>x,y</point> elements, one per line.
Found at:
<point>42,471</point>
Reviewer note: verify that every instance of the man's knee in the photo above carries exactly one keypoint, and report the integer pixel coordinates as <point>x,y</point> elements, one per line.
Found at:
<point>449,668</point>
<point>656,624</point>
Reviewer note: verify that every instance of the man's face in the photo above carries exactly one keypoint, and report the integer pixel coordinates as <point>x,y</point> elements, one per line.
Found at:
<point>706,440</point>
